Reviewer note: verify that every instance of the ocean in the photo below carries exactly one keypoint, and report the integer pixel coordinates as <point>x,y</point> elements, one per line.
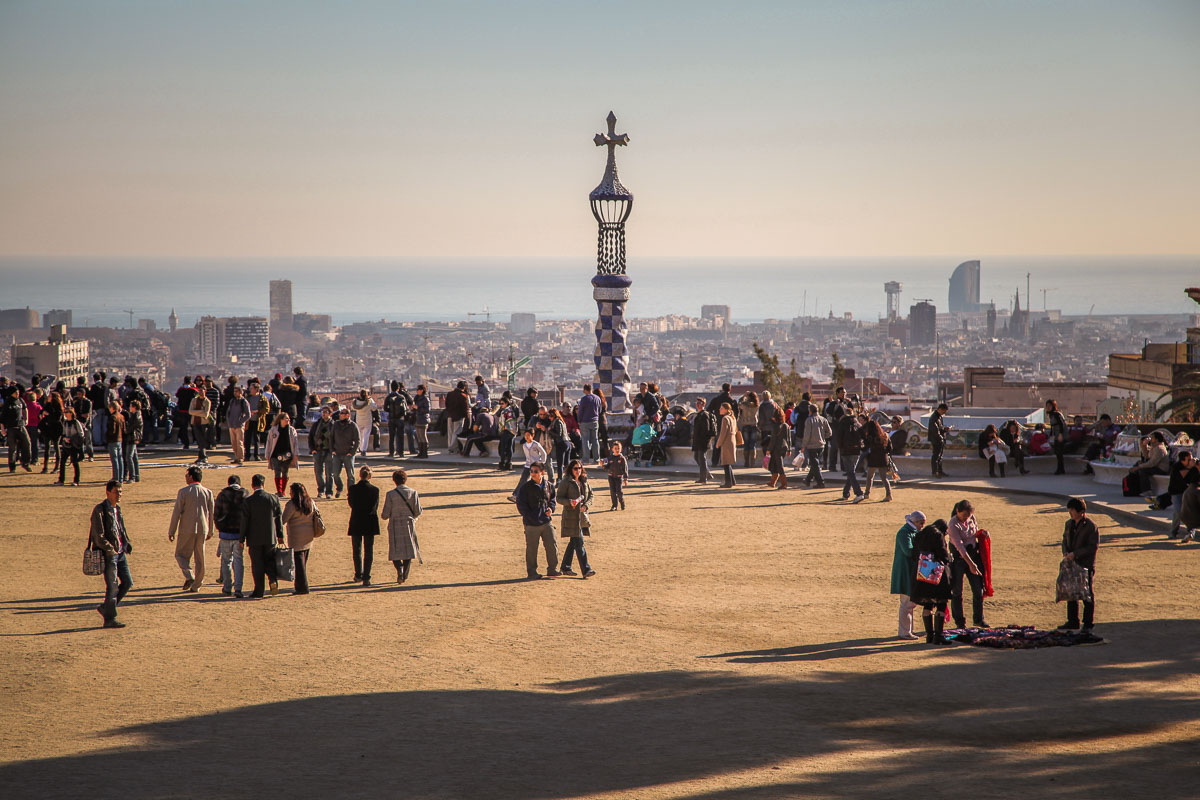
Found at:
<point>100,290</point>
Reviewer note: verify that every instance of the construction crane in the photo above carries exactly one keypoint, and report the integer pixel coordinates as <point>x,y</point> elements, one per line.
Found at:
<point>1044,293</point>
<point>128,311</point>
<point>487,315</point>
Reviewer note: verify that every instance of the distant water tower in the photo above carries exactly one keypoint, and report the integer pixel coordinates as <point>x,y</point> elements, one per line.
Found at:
<point>892,289</point>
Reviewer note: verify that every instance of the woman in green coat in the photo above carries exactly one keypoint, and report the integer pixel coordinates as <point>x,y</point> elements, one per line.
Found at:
<point>575,497</point>
<point>904,567</point>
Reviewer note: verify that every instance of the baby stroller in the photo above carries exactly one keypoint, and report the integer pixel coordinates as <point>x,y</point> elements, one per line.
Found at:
<point>654,453</point>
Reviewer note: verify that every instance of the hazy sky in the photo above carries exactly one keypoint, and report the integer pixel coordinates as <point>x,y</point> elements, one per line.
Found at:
<point>463,129</point>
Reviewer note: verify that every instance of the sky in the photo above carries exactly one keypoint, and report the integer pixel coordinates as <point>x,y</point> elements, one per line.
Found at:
<point>453,129</point>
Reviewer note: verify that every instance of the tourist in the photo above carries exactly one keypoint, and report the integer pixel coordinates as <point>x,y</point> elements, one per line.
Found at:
<point>1156,460</point>
<point>779,445</point>
<point>214,399</point>
<point>114,436</point>
<point>530,405</point>
<point>904,567</point>
<point>588,417</point>
<point>228,508</point>
<point>993,448</point>
<point>879,456</point>
<point>198,412</point>
<point>320,438</point>
<point>561,442</point>
<point>256,428</point>
<point>303,523</point>
<point>1010,434</point>
<point>1080,542</point>
<point>726,443</point>
<point>618,475</point>
<point>13,419</point>
<point>817,431</point>
<point>363,497</point>
<point>458,415</point>
<point>765,419</point>
<point>834,409</point>
<point>535,502</point>
<point>747,422</point>
<point>534,454</point>
<point>1189,514</point>
<point>237,415</point>
<point>51,431</point>
<point>1039,441</point>
<point>301,393</point>
<point>83,414</point>
<point>395,405</point>
<point>930,544</point>
<point>964,537</point>
<point>1104,436</point>
<point>363,407</point>
<point>129,442</point>
<point>849,445</point>
<point>108,534</point>
<point>1058,434</point>
<point>1184,473</point>
<point>937,439</point>
<point>483,429</point>
<point>703,429</point>
<point>262,531</point>
<point>641,441</point>
<point>192,524</point>
<point>483,395</point>
<point>575,494</point>
<point>343,444</point>
<point>509,421</point>
<point>283,450</point>
<point>33,419</point>
<point>602,422</point>
<point>401,508</point>
<point>73,441</point>
<point>423,411</point>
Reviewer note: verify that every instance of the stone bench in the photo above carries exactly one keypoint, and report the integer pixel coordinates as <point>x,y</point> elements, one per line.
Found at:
<point>916,465</point>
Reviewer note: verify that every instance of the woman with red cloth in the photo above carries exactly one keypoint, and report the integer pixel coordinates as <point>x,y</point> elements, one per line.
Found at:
<point>964,538</point>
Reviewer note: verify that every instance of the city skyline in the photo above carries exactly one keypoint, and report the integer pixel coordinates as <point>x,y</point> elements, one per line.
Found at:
<point>464,129</point>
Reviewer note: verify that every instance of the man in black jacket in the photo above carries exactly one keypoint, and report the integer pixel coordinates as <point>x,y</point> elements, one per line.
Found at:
<point>261,530</point>
<point>109,536</point>
<point>535,501</point>
<point>937,438</point>
<point>396,407</point>
<point>1080,542</point>
<point>228,509</point>
<point>849,445</point>
<point>704,429</point>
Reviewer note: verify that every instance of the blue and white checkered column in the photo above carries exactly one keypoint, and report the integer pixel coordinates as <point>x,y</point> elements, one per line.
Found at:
<point>610,293</point>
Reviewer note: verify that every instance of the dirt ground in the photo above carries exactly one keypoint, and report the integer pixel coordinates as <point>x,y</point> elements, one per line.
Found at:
<point>734,644</point>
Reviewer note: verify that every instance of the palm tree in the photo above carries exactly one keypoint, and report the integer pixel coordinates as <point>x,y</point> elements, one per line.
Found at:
<point>1185,399</point>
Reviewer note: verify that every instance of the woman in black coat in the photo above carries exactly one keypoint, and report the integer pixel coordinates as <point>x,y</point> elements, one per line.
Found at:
<point>931,540</point>
<point>363,498</point>
<point>1010,434</point>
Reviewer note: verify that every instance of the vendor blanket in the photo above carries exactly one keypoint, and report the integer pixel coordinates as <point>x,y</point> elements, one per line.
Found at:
<point>1017,637</point>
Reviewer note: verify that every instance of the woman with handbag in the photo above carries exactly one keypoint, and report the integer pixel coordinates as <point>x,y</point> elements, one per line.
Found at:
<point>282,450</point>
<point>904,569</point>
<point>575,496</point>
<point>71,446</point>
<point>931,578</point>
<point>401,508</point>
<point>303,522</point>
<point>727,443</point>
<point>363,497</point>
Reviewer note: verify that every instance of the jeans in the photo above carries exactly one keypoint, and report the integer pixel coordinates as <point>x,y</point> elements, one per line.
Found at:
<point>561,457</point>
<point>616,491</point>
<point>957,570</point>
<point>729,480</point>
<point>72,455</point>
<point>410,433</point>
<point>118,461</point>
<point>323,467</point>
<point>117,583</point>
<point>364,555</point>
<point>545,533</point>
<point>750,441</point>
<point>99,423</point>
<point>232,565</point>
<point>133,469</point>
<point>200,434</point>
<point>343,463</point>
<point>813,456</point>
<point>883,476</point>
<point>851,484</point>
<point>935,460</point>
<point>589,435</point>
<point>701,459</point>
<point>396,436</point>
<point>1176,510</point>
<point>521,482</point>
<point>18,447</point>
<point>506,449</point>
<point>575,545</point>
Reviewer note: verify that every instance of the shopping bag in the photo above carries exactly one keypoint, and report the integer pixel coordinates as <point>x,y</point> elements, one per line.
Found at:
<point>285,564</point>
<point>929,569</point>
<point>1073,583</point>
<point>93,560</point>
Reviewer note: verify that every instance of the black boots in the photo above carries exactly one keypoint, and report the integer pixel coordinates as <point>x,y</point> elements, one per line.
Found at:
<point>934,625</point>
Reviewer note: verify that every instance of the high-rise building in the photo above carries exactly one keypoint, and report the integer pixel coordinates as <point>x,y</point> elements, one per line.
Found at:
<point>964,288</point>
<point>147,325</point>
<point>712,313</point>
<point>57,316</point>
<point>991,321</point>
<point>210,337</point>
<point>19,319</point>
<point>58,356</point>
<point>922,323</point>
<point>892,290</point>
<point>244,338</point>
<point>281,304</point>
<point>522,324</point>
<point>308,324</point>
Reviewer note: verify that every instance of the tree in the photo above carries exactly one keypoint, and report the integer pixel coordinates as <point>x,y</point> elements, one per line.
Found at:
<point>838,376</point>
<point>792,385</point>
<point>1184,405</point>
<point>772,377</point>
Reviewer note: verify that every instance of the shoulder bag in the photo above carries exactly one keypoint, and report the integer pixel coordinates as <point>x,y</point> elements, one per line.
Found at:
<point>318,523</point>
<point>929,569</point>
<point>93,558</point>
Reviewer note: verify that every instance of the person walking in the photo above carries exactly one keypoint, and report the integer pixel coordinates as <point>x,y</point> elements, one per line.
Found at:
<point>937,439</point>
<point>904,567</point>
<point>282,450</point>
<point>779,445</point>
<point>930,545</point>
<point>817,432</point>
<point>343,443</point>
<point>747,420</point>
<point>198,412</point>
<point>534,454</point>
<point>1080,542</point>
<point>74,439</point>
<point>849,445</point>
<point>726,443</point>
<point>363,497</point>
<point>617,468</point>
<point>114,435</point>
<point>363,407</point>
<point>421,420</point>
<point>319,441</point>
<point>130,440</point>
<point>401,509</point>
<point>237,416</point>
<point>575,495</point>
<point>704,428</point>
<point>193,520</point>
<point>228,508</point>
<point>262,531</point>
<point>964,537</point>
<point>535,502</point>
<point>1057,424</point>
<point>879,452</point>
<point>303,523</point>
<point>588,416</point>
<point>109,535</point>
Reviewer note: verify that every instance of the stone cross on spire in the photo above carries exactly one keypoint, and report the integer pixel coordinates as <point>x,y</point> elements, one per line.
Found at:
<point>610,186</point>
<point>612,138</point>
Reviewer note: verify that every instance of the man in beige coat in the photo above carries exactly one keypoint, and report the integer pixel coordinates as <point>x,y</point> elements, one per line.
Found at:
<point>193,519</point>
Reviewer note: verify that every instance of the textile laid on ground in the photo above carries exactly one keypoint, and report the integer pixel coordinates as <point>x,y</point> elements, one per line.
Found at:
<point>1017,637</point>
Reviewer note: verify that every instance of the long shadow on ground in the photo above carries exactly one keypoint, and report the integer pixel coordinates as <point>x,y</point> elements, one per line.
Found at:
<point>1037,724</point>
